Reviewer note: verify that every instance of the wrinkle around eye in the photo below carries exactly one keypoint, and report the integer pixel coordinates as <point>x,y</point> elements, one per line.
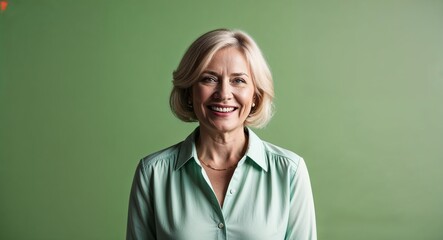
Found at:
<point>239,80</point>
<point>208,79</point>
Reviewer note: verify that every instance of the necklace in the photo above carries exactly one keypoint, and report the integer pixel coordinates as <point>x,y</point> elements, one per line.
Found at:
<point>218,169</point>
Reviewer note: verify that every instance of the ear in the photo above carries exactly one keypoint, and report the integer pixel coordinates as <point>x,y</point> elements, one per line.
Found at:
<point>254,100</point>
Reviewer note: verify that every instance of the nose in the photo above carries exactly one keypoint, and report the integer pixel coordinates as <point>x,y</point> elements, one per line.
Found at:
<point>223,91</point>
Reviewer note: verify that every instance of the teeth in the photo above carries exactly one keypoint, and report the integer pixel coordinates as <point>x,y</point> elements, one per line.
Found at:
<point>223,109</point>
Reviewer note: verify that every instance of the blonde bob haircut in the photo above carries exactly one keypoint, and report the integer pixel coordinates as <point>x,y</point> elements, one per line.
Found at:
<point>197,58</point>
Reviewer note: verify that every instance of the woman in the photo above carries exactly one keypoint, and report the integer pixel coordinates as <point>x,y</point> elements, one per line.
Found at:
<point>222,181</point>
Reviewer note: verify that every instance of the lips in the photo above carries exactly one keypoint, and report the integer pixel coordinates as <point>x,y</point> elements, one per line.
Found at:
<point>222,109</point>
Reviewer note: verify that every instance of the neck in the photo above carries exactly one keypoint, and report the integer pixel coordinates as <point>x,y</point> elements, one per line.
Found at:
<point>221,149</point>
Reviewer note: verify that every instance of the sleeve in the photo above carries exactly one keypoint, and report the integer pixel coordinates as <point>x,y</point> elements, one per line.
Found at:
<point>141,223</point>
<point>301,225</point>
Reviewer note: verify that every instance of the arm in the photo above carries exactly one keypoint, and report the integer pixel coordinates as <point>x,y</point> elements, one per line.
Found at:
<point>141,223</point>
<point>301,225</point>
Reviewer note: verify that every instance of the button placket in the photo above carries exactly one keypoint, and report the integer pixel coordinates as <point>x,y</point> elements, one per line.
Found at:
<point>232,190</point>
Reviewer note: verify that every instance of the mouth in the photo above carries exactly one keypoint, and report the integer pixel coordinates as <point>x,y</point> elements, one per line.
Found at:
<point>222,109</point>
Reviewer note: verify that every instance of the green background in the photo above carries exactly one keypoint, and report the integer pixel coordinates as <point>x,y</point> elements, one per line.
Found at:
<point>84,89</point>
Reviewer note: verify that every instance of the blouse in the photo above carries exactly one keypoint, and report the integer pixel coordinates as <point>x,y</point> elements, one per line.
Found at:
<point>269,196</point>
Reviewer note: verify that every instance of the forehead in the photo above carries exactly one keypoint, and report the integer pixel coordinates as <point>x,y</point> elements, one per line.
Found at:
<point>231,58</point>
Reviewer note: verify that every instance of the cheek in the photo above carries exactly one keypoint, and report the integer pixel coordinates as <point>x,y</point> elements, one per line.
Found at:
<point>200,94</point>
<point>247,96</point>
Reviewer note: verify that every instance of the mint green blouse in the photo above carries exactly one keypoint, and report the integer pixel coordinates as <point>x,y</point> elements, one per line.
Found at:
<point>269,196</point>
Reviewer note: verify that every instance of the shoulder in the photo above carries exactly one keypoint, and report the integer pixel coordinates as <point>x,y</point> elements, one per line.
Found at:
<point>166,156</point>
<point>279,155</point>
<point>267,154</point>
<point>282,153</point>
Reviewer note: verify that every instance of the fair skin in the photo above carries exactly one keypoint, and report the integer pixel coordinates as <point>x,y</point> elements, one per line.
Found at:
<point>222,100</point>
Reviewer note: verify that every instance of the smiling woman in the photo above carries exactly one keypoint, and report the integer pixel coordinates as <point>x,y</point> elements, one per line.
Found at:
<point>224,96</point>
<point>196,60</point>
<point>222,179</point>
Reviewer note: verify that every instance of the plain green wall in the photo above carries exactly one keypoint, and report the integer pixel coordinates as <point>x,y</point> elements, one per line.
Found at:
<point>84,91</point>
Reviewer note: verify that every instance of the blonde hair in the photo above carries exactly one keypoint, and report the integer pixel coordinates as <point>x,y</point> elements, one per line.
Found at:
<point>197,58</point>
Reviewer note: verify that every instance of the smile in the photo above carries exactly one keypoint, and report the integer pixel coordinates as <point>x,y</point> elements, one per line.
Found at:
<point>222,109</point>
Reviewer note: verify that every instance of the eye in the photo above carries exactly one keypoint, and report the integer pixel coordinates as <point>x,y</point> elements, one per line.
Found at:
<point>238,80</point>
<point>208,79</point>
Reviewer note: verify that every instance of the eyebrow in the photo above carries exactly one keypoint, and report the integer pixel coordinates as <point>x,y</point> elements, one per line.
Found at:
<point>234,74</point>
<point>240,74</point>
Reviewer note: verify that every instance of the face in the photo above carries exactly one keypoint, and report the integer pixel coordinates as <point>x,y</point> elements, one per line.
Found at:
<point>224,94</point>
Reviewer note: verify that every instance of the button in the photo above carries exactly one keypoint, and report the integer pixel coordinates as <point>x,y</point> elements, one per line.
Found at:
<point>221,225</point>
<point>232,191</point>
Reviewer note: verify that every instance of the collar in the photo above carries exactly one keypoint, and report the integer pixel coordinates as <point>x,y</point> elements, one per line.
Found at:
<point>255,151</point>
